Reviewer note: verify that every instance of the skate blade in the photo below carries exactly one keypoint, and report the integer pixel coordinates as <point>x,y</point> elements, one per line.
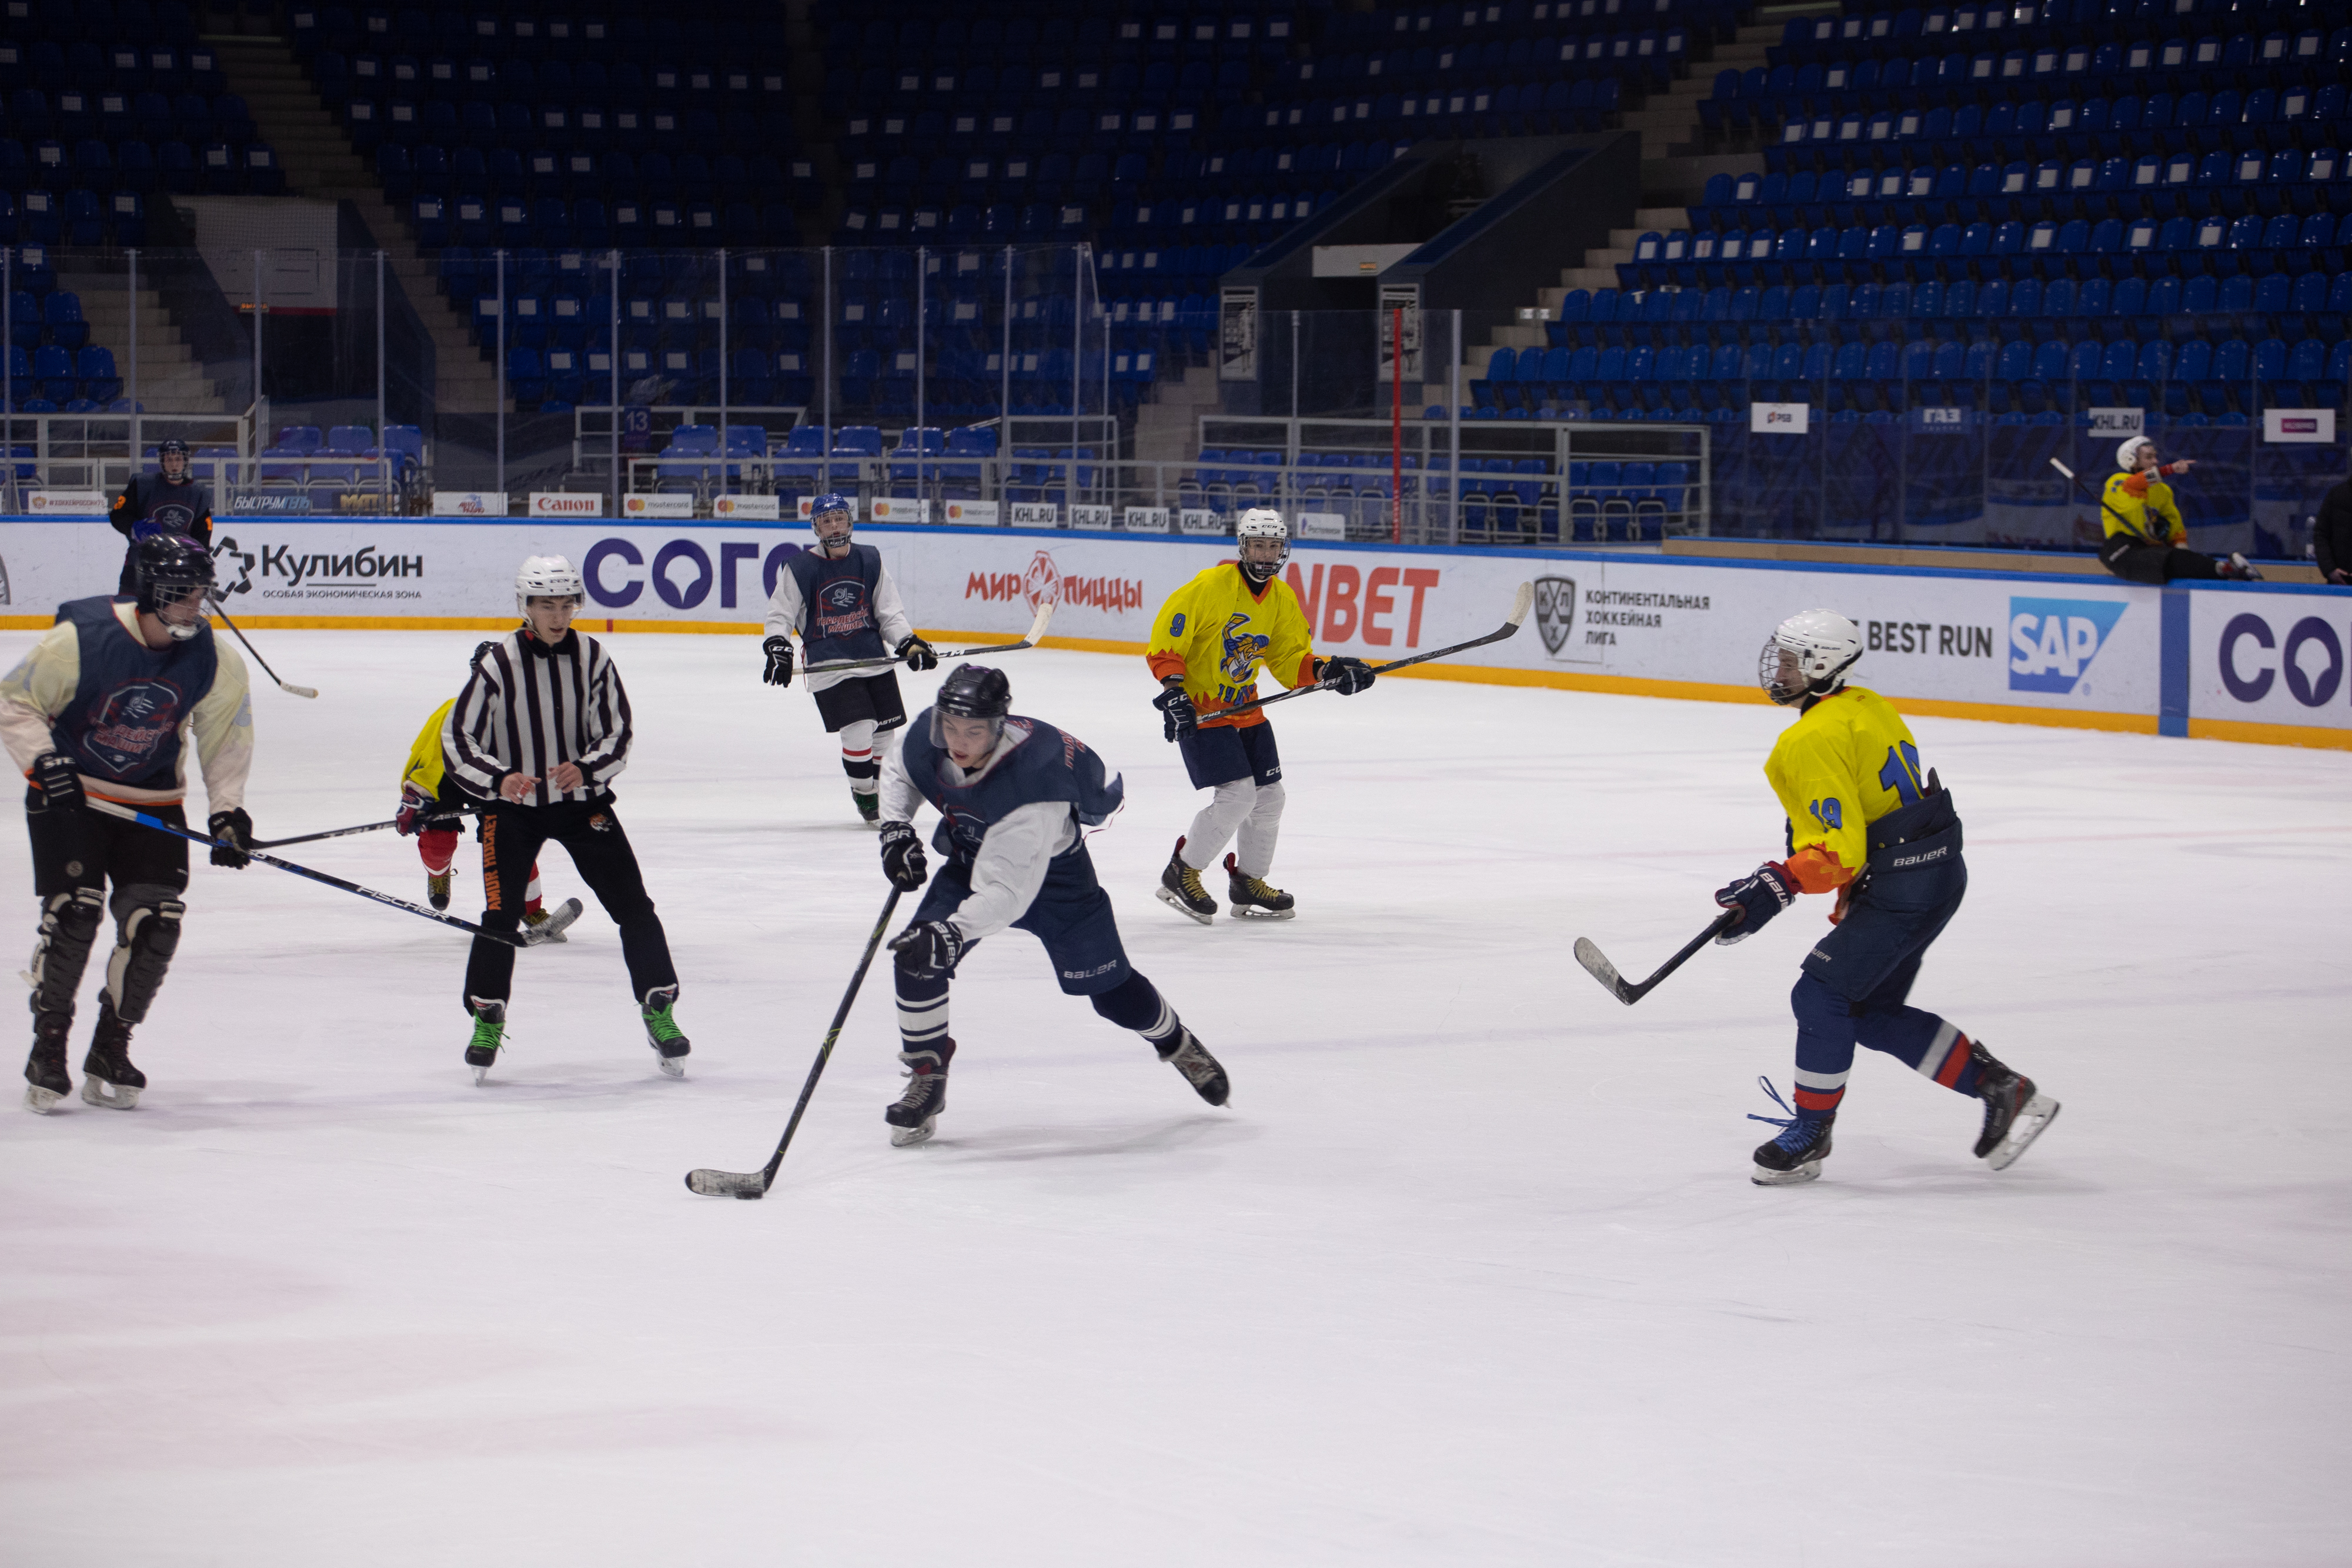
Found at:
<point>671,1066</point>
<point>1251,912</point>
<point>40,1101</point>
<point>908,1137</point>
<point>113,1096</point>
<point>2038,1114</point>
<point>1176,903</point>
<point>481,1075</point>
<point>1764,1175</point>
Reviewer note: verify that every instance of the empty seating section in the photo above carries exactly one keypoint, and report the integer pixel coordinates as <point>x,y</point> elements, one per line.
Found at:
<point>105,106</point>
<point>53,367</point>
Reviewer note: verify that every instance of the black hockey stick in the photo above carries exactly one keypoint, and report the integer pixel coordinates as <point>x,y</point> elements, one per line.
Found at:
<point>1035,634</point>
<point>282,685</point>
<point>755,1184</point>
<point>1519,608</point>
<point>347,833</point>
<point>1598,966</point>
<point>110,809</point>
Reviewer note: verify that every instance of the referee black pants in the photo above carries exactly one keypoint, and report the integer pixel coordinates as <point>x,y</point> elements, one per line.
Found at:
<point>590,833</point>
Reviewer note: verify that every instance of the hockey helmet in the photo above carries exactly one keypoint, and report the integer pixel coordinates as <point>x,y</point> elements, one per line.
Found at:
<point>547,577</point>
<point>1808,655</point>
<point>173,571</point>
<point>971,691</point>
<point>1261,523</point>
<point>833,504</point>
<point>166,450</point>
<point>2128,455</point>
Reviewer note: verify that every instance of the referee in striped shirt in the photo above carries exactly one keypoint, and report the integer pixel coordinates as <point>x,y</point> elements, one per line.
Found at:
<point>538,734</point>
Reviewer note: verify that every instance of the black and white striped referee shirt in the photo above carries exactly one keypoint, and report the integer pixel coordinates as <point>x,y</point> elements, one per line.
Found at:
<point>529,707</point>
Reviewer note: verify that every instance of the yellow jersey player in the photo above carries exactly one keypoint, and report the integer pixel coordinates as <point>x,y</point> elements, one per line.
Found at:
<point>434,808</point>
<point>1211,638</point>
<point>2146,541</point>
<point>1868,821</point>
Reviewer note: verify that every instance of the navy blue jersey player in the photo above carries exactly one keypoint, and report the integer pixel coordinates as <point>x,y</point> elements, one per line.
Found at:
<point>1014,796</point>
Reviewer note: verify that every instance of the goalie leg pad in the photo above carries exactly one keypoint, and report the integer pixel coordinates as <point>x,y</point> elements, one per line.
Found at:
<point>147,934</point>
<point>61,952</point>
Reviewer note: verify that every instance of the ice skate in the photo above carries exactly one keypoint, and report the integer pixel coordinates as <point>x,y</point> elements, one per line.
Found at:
<point>436,888</point>
<point>917,1113</point>
<point>2238,569</point>
<point>669,1041</point>
<point>543,925</point>
<point>1202,1070</point>
<point>1181,889</point>
<point>2015,1110</point>
<point>869,807</point>
<point>45,1080</point>
<point>1796,1155</point>
<point>108,1077</point>
<point>490,1031</point>
<point>1250,898</point>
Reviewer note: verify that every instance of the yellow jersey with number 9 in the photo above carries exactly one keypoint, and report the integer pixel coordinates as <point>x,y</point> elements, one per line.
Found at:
<point>1216,632</point>
<point>1847,761</point>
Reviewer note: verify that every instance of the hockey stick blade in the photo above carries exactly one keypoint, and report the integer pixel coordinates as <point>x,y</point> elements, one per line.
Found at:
<point>707,1183</point>
<point>218,598</point>
<point>1597,965</point>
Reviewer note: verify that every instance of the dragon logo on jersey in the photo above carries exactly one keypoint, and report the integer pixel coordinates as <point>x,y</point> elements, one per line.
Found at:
<point>128,724</point>
<point>841,609</point>
<point>1243,650</point>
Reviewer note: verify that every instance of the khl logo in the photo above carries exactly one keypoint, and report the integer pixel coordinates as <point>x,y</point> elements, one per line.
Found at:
<point>2051,642</point>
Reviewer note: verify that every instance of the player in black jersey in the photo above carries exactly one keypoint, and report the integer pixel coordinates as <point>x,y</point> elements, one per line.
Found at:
<point>1015,797</point>
<point>171,502</point>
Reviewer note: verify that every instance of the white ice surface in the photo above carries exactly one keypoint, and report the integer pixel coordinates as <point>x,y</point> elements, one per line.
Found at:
<point>1471,1273</point>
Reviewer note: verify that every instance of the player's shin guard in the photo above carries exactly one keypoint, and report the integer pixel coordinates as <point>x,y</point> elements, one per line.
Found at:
<point>926,1050</point>
<point>1825,1043</point>
<point>861,758</point>
<point>148,937</point>
<point>1136,1003</point>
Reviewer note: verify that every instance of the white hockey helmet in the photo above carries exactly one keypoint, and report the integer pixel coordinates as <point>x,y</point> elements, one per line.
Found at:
<point>1808,655</point>
<point>2127,455</point>
<point>1262,523</point>
<point>546,577</point>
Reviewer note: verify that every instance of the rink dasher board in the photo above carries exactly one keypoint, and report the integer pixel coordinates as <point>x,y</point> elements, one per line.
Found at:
<point>2018,647</point>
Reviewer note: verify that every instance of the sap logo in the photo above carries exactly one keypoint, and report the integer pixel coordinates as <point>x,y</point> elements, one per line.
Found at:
<point>2311,663</point>
<point>2052,641</point>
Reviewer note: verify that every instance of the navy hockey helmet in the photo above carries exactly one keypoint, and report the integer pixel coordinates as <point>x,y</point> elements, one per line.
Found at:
<point>833,504</point>
<point>173,571</point>
<point>975,691</point>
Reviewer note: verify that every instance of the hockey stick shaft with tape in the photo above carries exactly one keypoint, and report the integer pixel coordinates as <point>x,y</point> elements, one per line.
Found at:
<point>344,832</point>
<point>1035,634</point>
<point>1519,608</point>
<point>1598,966</point>
<point>755,1184</point>
<point>282,685</point>
<point>110,809</point>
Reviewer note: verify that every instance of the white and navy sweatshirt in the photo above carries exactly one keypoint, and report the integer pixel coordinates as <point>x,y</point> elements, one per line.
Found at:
<point>530,708</point>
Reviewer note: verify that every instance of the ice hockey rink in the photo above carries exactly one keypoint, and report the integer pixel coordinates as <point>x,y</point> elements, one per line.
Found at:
<point>1470,1272</point>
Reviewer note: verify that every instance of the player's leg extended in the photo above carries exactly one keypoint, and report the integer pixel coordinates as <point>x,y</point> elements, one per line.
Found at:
<point>511,836</point>
<point>150,872</point>
<point>436,846</point>
<point>72,903</point>
<point>861,758</point>
<point>925,1046</point>
<point>600,849</point>
<point>1246,888</point>
<point>1072,915</point>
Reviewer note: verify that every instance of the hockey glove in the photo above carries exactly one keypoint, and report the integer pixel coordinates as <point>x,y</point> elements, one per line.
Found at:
<point>929,950</point>
<point>902,857</point>
<point>1346,677</point>
<point>231,831</point>
<point>918,654</point>
<point>1757,896</point>
<point>59,785</point>
<point>780,661</point>
<point>1178,717</point>
<point>416,806</point>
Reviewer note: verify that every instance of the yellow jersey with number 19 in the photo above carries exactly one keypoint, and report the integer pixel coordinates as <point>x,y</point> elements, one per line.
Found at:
<point>1847,761</point>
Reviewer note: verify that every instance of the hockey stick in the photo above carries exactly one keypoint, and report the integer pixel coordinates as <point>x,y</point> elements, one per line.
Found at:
<point>110,809</point>
<point>282,685</point>
<point>347,833</point>
<point>1035,634</point>
<point>755,1184</point>
<point>1598,966</point>
<point>2102,500</point>
<point>1519,608</point>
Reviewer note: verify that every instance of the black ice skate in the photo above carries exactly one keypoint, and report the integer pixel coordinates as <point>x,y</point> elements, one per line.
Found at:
<point>917,1113</point>
<point>436,888</point>
<point>2015,1110</point>
<point>869,806</point>
<point>1188,1056</point>
<point>1251,899</point>
<point>1181,889</point>
<point>108,1078</point>
<point>45,1080</point>
<point>490,1031</point>
<point>1796,1155</point>
<point>549,926</point>
<point>669,1041</point>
